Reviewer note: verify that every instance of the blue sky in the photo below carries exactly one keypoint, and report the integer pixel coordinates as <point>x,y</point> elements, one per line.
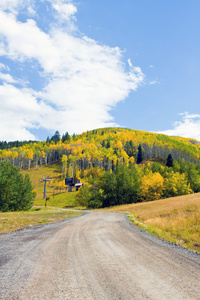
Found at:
<point>76,66</point>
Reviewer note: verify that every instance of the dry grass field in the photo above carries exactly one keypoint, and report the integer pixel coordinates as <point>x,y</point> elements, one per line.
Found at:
<point>174,219</point>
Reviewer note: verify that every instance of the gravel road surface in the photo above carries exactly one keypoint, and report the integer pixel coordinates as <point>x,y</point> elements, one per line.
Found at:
<point>96,256</point>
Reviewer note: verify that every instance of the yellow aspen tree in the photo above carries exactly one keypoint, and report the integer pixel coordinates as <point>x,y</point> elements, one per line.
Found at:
<point>29,156</point>
<point>41,156</point>
<point>8,154</point>
<point>64,164</point>
<point>14,156</point>
<point>152,185</point>
<point>131,160</point>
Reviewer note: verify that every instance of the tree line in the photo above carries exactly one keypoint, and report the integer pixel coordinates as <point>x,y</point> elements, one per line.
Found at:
<point>102,148</point>
<point>14,144</point>
<point>147,182</point>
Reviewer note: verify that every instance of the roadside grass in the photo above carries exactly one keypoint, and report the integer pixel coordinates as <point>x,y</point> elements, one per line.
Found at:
<point>175,219</point>
<point>11,221</point>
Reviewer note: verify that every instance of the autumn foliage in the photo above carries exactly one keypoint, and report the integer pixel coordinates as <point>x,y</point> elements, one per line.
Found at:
<point>103,148</point>
<point>121,165</point>
<point>131,184</point>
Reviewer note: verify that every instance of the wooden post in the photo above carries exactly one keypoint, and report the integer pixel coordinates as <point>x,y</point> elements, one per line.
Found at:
<point>46,199</point>
<point>45,183</point>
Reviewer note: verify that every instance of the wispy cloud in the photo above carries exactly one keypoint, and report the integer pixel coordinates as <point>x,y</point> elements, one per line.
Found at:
<point>7,78</point>
<point>65,10</point>
<point>4,67</point>
<point>189,127</point>
<point>153,82</point>
<point>15,6</point>
<point>84,80</point>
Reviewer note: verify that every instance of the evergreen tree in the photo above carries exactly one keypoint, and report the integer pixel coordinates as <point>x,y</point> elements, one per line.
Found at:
<point>139,155</point>
<point>127,148</point>
<point>66,137</point>
<point>16,192</point>
<point>73,136</point>
<point>56,137</point>
<point>108,144</point>
<point>169,162</point>
<point>104,144</point>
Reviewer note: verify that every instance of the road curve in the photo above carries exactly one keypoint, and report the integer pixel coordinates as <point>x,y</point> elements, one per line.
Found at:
<point>96,256</point>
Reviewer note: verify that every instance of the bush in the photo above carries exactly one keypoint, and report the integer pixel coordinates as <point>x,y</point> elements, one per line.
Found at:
<point>83,196</point>
<point>89,197</point>
<point>16,191</point>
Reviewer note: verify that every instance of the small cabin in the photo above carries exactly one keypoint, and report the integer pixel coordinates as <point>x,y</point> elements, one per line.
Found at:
<point>71,181</point>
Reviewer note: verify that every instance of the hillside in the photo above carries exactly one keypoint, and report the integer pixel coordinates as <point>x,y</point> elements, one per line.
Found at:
<point>102,148</point>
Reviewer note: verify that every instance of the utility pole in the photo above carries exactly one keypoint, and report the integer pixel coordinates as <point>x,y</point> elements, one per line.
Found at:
<point>45,187</point>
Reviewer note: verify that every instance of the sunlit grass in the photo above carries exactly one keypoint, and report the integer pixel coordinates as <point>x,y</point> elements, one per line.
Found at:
<point>63,200</point>
<point>174,219</point>
<point>15,220</point>
<point>57,197</point>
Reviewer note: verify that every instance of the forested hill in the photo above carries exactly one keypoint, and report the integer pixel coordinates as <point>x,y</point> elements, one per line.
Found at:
<point>102,148</point>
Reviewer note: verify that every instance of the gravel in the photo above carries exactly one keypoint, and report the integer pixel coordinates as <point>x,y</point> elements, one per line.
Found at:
<point>99,255</point>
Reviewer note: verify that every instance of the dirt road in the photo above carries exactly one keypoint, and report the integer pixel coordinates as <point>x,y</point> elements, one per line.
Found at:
<point>96,256</point>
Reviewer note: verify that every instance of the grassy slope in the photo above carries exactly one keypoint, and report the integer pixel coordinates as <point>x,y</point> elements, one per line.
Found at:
<point>63,199</point>
<point>174,219</point>
<point>15,220</point>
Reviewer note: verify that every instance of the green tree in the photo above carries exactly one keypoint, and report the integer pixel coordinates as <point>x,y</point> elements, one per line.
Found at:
<point>120,187</point>
<point>66,137</point>
<point>108,144</point>
<point>89,196</point>
<point>139,155</point>
<point>83,196</point>
<point>193,177</point>
<point>169,162</point>
<point>128,184</point>
<point>108,184</point>
<point>56,137</point>
<point>16,191</point>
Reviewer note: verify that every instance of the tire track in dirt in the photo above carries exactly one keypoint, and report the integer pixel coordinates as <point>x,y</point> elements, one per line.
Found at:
<point>99,256</point>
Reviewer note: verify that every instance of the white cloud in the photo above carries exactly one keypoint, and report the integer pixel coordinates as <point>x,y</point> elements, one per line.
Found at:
<point>7,78</point>
<point>13,6</point>
<point>153,82</point>
<point>130,63</point>
<point>189,127</point>
<point>20,111</point>
<point>84,80</point>
<point>10,4</point>
<point>4,67</point>
<point>65,10</point>
<point>25,41</point>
